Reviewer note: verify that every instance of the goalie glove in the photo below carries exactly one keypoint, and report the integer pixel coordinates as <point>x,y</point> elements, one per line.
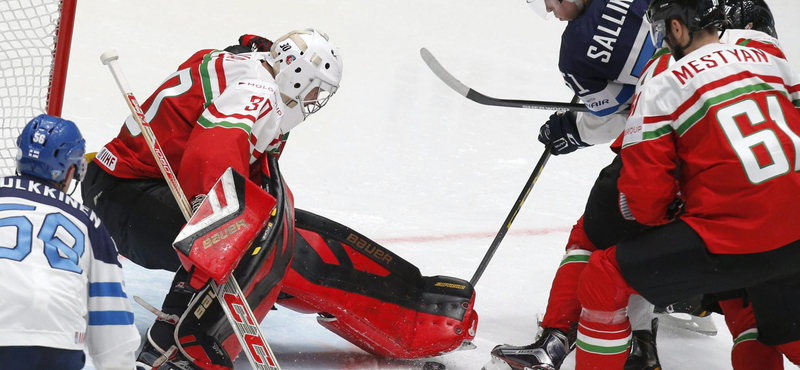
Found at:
<point>249,44</point>
<point>561,130</point>
<point>255,43</point>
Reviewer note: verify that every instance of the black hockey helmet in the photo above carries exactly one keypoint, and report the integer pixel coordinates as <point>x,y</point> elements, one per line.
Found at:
<point>695,14</point>
<point>750,15</point>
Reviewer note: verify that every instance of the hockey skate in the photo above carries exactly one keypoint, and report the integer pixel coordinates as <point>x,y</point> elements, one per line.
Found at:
<point>643,355</point>
<point>547,353</point>
<point>688,315</point>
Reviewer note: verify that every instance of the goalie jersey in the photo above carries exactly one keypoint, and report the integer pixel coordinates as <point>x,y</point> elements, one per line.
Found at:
<point>218,110</point>
<point>603,53</point>
<point>61,284</point>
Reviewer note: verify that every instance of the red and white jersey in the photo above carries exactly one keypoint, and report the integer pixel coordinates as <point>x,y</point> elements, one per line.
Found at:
<point>218,110</point>
<point>726,117</point>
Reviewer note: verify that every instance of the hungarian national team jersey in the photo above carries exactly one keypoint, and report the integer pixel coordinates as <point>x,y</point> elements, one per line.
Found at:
<point>62,283</point>
<point>218,110</point>
<point>726,118</point>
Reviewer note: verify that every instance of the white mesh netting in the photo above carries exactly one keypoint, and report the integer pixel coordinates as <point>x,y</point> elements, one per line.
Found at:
<point>27,44</point>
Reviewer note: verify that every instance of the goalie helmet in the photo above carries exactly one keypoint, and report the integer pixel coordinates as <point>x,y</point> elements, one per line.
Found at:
<point>750,14</point>
<point>308,69</point>
<point>48,147</point>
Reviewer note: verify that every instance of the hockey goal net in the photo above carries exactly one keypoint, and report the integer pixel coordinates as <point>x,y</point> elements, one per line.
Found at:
<point>35,39</point>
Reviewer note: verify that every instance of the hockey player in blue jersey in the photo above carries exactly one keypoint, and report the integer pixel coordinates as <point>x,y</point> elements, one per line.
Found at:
<point>604,49</point>
<point>62,284</point>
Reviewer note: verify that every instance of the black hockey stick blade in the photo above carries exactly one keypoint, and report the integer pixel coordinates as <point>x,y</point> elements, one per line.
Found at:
<point>477,97</point>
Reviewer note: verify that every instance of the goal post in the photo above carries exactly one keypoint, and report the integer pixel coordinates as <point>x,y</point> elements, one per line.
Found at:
<point>35,38</point>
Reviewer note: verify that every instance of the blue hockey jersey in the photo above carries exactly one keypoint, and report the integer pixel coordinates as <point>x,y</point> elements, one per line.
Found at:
<point>604,51</point>
<point>61,283</point>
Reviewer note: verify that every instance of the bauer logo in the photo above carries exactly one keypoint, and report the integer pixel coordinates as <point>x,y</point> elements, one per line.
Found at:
<point>369,248</point>
<point>224,233</point>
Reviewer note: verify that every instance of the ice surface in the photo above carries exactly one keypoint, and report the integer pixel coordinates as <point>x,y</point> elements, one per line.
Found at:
<point>396,154</point>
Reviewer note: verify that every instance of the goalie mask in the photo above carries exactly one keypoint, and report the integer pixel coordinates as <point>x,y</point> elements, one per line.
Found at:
<point>308,69</point>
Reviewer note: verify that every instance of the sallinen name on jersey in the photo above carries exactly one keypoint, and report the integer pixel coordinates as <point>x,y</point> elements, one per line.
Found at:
<point>607,37</point>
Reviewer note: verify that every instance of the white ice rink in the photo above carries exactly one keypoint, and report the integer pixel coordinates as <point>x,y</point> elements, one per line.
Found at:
<point>396,154</point>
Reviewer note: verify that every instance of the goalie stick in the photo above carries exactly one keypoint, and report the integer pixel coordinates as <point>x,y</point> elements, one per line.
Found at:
<point>229,295</point>
<point>477,97</point>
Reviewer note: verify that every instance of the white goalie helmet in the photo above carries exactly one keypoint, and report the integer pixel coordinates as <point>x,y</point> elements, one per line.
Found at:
<point>308,69</point>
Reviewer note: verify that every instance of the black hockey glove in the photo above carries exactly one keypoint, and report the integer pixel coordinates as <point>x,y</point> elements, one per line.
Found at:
<point>255,43</point>
<point>561,130</point>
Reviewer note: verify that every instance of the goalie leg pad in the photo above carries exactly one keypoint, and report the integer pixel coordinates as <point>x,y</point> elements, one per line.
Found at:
<point>372,297</point>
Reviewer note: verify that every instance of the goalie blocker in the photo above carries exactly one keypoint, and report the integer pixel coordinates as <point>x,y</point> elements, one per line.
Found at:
<point>240,226</point>
<point>361,291</point>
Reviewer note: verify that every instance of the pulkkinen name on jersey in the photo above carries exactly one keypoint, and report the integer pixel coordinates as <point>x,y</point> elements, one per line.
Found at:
<point>42,189</point>
<point>717,58</point>
<point>605,36</point>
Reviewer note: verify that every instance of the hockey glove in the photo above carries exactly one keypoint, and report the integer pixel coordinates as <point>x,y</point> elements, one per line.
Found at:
<point>255,43</point>
<point>561,130</point>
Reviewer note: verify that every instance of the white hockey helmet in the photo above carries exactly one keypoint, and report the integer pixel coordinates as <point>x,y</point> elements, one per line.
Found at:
<point>308,69</point>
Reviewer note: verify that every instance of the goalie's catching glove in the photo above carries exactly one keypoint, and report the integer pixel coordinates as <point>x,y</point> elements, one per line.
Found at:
<point>250,43</point>
<point>255,43</point>
<point>561,130</point>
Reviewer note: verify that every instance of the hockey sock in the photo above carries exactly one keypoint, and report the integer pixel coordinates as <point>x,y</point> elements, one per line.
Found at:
<point>750,354</point>
<point>563,307</point>
<point>602,346</point>
<point>604,332</point>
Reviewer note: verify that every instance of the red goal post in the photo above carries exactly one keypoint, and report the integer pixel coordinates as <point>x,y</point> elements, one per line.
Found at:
<point>35,37</point>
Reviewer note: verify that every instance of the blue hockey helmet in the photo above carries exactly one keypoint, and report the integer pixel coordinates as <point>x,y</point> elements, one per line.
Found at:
<point>48,147</point>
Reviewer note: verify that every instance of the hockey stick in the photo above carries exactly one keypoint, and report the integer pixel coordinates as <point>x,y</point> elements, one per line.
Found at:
<point>514,210</point>
<point>229,295</point>
<point>511,215</point>
<point>477,97</point>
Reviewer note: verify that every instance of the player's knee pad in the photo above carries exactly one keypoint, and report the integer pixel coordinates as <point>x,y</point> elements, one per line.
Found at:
<point>373,298</point>
<point>601,286</point>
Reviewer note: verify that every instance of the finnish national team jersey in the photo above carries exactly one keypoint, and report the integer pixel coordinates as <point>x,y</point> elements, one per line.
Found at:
<point>726,117</point>
<point>60,281</point>
<point>604,51</point>
<point>218,110</point>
